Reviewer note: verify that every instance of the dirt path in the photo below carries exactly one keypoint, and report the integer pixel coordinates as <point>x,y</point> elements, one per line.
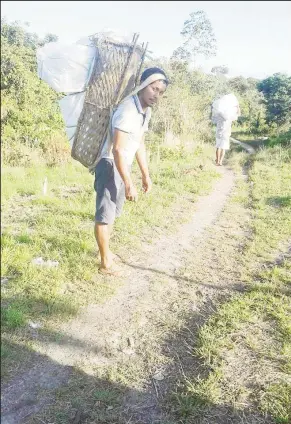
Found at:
<point>245,146</point>
<point>97,323</point>
<point>105,335</point>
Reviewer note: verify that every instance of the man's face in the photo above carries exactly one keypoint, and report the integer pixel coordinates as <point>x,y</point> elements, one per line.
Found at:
<point>153,92</point>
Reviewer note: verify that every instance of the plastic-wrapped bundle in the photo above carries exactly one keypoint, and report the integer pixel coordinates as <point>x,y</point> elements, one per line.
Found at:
<point>71,108</point>
<point>114,76</point>
<point>226,107</point>
<point>66,68</point>
<point>97,73</point>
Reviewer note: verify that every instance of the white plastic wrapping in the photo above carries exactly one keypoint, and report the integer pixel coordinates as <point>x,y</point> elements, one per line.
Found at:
<point>226,108</point>
<point>66,68</point>
<point>71,108</point>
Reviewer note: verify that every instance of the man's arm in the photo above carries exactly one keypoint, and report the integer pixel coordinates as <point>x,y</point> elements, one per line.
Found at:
<point>141,158</point>
<point>120,140</point>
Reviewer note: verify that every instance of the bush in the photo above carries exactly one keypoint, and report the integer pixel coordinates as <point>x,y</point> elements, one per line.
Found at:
<point>33,129</point>
<point>56,150</point>
<point>282,139</point>
<point>29,108</point>
<point>14,153</point>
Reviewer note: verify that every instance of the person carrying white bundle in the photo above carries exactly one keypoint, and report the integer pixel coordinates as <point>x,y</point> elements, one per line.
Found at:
<point>113,179</point>
<point>223,112</point>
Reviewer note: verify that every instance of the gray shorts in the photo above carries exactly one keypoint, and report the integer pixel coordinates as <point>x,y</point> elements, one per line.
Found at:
<point>110,192</point>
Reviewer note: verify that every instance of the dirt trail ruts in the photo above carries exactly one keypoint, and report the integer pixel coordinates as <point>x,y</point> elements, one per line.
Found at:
<point>245,146</point>
<point>88,338</point>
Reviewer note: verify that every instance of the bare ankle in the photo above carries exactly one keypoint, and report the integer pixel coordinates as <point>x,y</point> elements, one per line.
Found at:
<point>107,261</point>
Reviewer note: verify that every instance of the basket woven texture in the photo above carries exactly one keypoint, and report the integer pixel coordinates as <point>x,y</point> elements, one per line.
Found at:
<point>112,79</point>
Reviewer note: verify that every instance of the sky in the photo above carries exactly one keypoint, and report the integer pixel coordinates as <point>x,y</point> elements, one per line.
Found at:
<point>253,37</point>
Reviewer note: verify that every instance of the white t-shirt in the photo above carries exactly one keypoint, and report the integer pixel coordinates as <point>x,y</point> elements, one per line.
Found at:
<point>129,118</point>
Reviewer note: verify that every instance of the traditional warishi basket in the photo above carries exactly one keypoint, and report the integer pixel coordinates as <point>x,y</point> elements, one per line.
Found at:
<point>114,76</point>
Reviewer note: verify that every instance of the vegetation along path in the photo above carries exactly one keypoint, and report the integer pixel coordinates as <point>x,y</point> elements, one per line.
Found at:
<point>182,340</point>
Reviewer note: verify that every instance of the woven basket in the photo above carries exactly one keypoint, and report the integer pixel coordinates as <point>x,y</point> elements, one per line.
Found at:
<point>114,76</point>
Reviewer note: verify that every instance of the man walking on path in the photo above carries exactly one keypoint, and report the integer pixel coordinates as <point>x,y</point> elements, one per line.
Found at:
<point>113,182</point>
<point>223,133</point>
<point>224,111</point>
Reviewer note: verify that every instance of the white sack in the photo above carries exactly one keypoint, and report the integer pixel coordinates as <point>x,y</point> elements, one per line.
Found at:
<point>66,68</point>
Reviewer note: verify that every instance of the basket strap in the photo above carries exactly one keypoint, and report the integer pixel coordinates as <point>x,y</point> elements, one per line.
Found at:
<point>148,81</point>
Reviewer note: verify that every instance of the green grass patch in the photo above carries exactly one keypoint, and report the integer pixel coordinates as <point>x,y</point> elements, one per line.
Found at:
<point>12,317</point>
<point>246,345</point>
<point>283,140</point>
<point>58,227</point>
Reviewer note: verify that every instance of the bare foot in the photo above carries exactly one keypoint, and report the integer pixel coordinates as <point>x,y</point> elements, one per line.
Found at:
<point>113,270</point>
<point>114,257</point>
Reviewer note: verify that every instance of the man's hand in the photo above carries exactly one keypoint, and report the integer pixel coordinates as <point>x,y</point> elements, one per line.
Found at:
<point>146,184</point>
<point>130,192</point>
<point>141,158</point>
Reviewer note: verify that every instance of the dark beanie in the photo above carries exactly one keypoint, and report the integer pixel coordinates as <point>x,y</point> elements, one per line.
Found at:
<point>150,71</point>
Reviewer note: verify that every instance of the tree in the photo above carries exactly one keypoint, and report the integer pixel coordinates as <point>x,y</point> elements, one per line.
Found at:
<point>220,70</point>
<point>198,38</point>
<point>253,110</point>
<point>13,33</point>
<point>49,38</point>
<point>29,112</point>
<point>239,84</point>
<point>16,35</point>
<point>277,93</point>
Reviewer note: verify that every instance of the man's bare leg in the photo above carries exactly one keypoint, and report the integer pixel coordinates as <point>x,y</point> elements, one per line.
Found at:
<point>218,154</point>
<point>102,235</point>
<point>216,160</point>
<point>110,230</point>
<point>222,153</point>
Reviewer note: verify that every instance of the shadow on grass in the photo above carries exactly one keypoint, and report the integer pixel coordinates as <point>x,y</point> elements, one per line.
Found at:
<point>16,310</point>
<point>279,201</point>
<point>40,390</point>
<point>186,367</point>
<point>236,287</point>
<point>45,391</point>
<point>188,406</point>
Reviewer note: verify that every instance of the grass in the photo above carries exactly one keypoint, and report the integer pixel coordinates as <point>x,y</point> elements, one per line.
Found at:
<point>245,345</point>
<point>58,226</point>
<point>231,358</point>
<point>283,139</point>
